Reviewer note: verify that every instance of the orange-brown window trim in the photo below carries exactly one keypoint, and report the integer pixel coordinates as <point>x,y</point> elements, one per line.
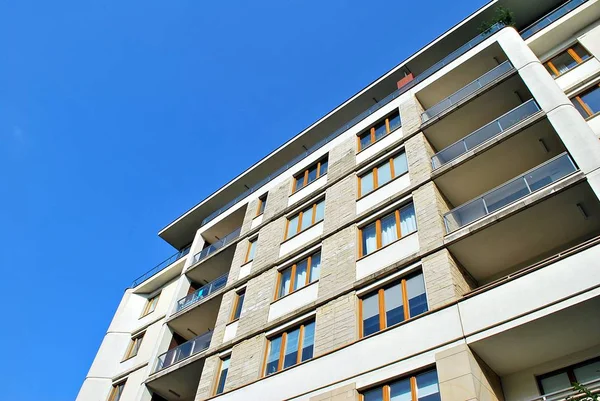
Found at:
<point>293,275</point>
<point>152,302</point>
<point>117,390</point>
<point>571,51</point>
<point>303,176</point>
<point>375,174</point>
<point>386,388</point>
<point>371,131</point>
<point>134,346</point>
<point>381,302</point>
<point>251,243</point>
<point>378,241</point>
<point>282,348</point>
<point>313,210</point>
<point>236,301</point>
<point>584,105</point>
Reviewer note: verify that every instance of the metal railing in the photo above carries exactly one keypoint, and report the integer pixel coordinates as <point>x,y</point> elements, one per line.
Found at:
<point>212,248</point>
<point>467,90</point>
<point>425,74</point>
<point>550,18</point>
<point>185,350</point>
<point>539,177</point>
<point>202,293</point>
<point>592,385</point>
<point>170,260</point>
<point>485,133</point>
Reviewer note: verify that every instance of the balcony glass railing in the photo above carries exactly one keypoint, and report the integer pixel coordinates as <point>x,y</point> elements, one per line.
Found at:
<point>202,293</point>
<point>550,18</point>
<point>185,350</point>
<point>425,74</point>
<point>466,91</point>
<point>212,248</point>
<point>510,192</point>
<point>569,394</point>
<point>170,260</point>
<point>485,133</point>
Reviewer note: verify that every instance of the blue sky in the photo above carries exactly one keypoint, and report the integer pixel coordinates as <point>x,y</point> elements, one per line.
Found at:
<point>117,116</point>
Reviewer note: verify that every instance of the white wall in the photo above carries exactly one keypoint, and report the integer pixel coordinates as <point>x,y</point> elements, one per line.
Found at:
<point>307,190</point>
<point>381,194</point>
<point>388,255</point>
<point>293,301</point>
<point>301,239</point>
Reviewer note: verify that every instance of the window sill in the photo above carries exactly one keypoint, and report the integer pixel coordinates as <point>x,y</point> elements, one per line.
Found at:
<point>295,191</point>
<point>246,262</point>
<point>387,245</point>
<point>147,314</point>
<point>380,139</point>
<point>300,232</point>
<point>593,116</point>
<point>128,358</point>
<point>293,292</point>
<point>381,186</point>
<point>410,319</point>
<point>233,321</point>
<point>571,69</point>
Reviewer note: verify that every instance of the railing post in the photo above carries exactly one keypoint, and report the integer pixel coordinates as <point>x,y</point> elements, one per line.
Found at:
<point>485,206</point>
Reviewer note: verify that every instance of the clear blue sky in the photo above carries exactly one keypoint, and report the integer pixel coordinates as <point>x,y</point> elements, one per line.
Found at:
<point>117,116</point>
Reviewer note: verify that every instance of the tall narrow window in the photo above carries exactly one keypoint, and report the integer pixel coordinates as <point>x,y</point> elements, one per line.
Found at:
<point>150,305</point>
<point>237,304</point>
<point>134,346</point>
<point>307,176</point>
<point>290,348</point>
<point>392,304</point>
<point>306,218</point>
<point>387,229</point>
<point>379,130</point>
<point>561,379</point>
<point>420,387</point>
<point>299,274</point>
<point>222,375</point>
<point>262,202</point>
<point>382,174</point>
<point>116,391</point>
<point>588,102</point>
<point>251,249</point>
<point>566,60</point>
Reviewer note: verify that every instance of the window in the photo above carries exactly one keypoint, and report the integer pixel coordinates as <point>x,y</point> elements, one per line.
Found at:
<point>134,346</point>
<point>379,130</point>
<point>561,379</point>
<point>150,305</point>
<point>306,218</point>
<point>222,375</point>
<point>251,250</point>
<point>237,304</point>
<point>382,174</point>
<point>262,201</point>
<point>310,174</point>
<point>420,387</point>
<point>299,275</point>
<point>566,60</point>
<point>588,102</point>
<point>290,348</point>
<point>387,229</point>
<point>116,391</point>
<point>392,304</point>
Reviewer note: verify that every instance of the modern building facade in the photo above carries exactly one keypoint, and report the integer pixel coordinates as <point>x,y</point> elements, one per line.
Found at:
<point>435,237</point>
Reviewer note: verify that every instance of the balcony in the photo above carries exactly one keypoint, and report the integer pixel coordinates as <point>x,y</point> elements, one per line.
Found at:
<point>550,18</point>
<point>160,267</point>
<point>215,246</point>
<point>183,351</point>
<point>201,293</point>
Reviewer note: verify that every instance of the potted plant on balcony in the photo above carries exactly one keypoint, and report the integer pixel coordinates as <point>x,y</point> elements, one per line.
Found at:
<point>502,15</point>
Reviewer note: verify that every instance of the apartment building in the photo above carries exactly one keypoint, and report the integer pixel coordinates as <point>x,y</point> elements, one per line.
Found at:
<point>435,237</point>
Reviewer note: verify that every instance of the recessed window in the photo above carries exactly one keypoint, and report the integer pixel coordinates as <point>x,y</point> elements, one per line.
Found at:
<point>237,304</point>
<point>561,379</point>
<point>588,102</point>
<point>262,202</point>
<point>379,130</point>
<point>116,391</point>
<point>222,375</point>
<point>392,304</point>
<point>566,60</point>
<point>307,176</point>
<point>150,305</point>
<point>306,218</point>
<point>250,251</point>
<point>290,348</point>
<point>382,174</point>
<point>387,229</point>
<point>420,387</point>
<point>299,275</point>
<point>134,346</point>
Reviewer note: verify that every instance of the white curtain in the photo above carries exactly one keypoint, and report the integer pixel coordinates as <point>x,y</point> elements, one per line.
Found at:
<point>408,221</point>
<point>389,232</point>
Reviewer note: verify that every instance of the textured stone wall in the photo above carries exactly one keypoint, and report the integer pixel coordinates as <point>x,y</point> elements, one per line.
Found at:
<point>336,324</point>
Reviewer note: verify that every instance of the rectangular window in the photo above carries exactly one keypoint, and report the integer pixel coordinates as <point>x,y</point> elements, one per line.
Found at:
<point>420,387</point>
<point>134,346</point>
<point>116,392</point>
<point>387,229</point>
<point>588,102</point>
<point>561,379</point>
<point>306,218</point>
<point>290,348</point>
<point>379,130</point>
<point>300,274</point>
<point>382,174</point>
<point>392,304</point>
<point>566,60</point>
<point>150,305</point>
<point>307,176</point>
<point>262,201</point>
<point>237,304</point>
<point>251,250</point>
<point>222,375</point>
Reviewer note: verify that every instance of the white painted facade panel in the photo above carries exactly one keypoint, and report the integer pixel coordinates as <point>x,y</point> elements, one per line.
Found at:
<point>301,239</point>
<point>307,190</point>
<point>293,301</point>
<point>230,331</point>
<point>378,196</point>
<point>379,146</point>
<point>384,257</point>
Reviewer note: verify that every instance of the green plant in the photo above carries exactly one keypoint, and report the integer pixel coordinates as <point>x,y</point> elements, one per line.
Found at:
<point>583,393</point>
<point>501,15</point>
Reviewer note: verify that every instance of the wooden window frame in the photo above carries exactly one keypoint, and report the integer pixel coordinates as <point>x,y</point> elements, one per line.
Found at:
<point>112,396</point>
<point>361,251</point>
<point>585,107</point>
<point>134,346</point>
<point>386,388</point>
<point>283,346</point>
<point>148,305</point>
<point>571,52</point>
<point>260,208</point>
<point>218,379</point>
<point>374,170</point>
<point>300,214</point>
<point>293,276</point>
<point>304,175</point>
<point>381,302</point>
<point>251,243</point>
<point>236,301</point>
<point>569,370</point>
<point>371,130</point>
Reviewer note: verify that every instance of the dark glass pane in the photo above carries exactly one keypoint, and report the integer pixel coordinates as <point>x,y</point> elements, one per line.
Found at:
<point>588,372</point>
<point>557,382</point>
<point>427,386</point>
<point>592,99</point>
<point>370,313</point>
<point>394,308</point>
<point>365,139</point>
<point>238,307</point>
<point>308,341</point>
<point>373,395</point>
<point>323,167</point>
<point>223,375</point>
<point>291,348</point>
<point>394,121</point>
<point>380,130</point>
<point>299,182</point>
<point>581,51</point>
<point>400,390</point>
<point>312,173</point>
<point>563,62</point>
<point>273,357</point>
<point>417,300</point>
